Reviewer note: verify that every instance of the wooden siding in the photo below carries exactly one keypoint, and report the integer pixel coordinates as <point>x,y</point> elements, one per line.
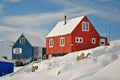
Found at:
<point>86,35</point>
<point>57,49</point>
<point>27,50</point>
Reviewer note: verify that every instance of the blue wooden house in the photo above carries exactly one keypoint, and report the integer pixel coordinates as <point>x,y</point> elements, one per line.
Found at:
<point>6,68</point>
<point>28,47</point>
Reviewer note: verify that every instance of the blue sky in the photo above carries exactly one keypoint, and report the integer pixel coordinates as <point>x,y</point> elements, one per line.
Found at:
<point>38,17</point>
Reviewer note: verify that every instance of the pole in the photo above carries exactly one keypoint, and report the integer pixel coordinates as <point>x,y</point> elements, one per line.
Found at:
<point>109,32</point>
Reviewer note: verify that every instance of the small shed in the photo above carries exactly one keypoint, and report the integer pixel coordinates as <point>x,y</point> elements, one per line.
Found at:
<point>28,47</point>
<point>6,68</point>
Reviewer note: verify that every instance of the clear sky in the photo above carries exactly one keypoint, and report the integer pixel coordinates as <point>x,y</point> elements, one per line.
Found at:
<point>38,17</point>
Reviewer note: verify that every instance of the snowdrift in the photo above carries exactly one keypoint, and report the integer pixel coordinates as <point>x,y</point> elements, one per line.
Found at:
<point>103,64</point>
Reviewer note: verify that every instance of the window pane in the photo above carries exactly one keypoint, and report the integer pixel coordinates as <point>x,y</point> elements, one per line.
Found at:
<point>79,40</point>
<point>62,41</point>
<point>51,43</point>
<point>20,50</point>
<point>93,40</point>
<point>85,26</point>
<point>17,50</point>
<point>22,40</point>
<point>14,51</point>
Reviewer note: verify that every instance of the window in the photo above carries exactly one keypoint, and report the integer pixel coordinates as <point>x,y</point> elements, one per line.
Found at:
<point>79,40</point>
<point>93,40</point>
<point>17,50</point>
<point>51,43</point>
<point>62,41</point>
<point>102,41</point>
<point>22,40</point>
<point>85,26</point>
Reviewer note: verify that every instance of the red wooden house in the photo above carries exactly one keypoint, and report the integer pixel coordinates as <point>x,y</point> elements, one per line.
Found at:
<point>73,35</point>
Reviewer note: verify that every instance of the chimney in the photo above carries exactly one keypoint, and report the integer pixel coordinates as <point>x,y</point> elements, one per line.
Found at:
<point>65,19</point>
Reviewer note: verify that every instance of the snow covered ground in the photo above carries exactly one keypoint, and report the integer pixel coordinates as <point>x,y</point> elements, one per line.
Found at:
<point>104,64</point>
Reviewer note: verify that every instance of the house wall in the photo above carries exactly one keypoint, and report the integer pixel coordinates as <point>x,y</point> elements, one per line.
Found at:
<point>36,52</point>
<point>106,40</point>
<point>86,35</point>
<point>27,50</point>
<point>57,49</point>
<point>39,52</point>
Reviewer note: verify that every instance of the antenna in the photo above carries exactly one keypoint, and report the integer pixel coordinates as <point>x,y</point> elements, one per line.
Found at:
<point>109,33</point>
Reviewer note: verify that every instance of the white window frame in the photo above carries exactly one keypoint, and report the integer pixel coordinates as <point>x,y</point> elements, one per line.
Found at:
<point>51,43</point>
<point>93,40</point>
<point>85,26</point>
<point>62,41</point>
<point>79,39</point>
<point>17,50</point>
<point>22,40</point>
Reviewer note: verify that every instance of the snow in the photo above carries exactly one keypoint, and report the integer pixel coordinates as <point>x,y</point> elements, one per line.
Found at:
<point>62,29</point>
<point>110,72</point>
<point>103,64</point>
<point>2,59</point>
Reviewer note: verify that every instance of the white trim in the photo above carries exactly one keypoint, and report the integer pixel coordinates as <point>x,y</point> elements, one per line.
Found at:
<point>85,26</point>
<point>79,39</point>
<point>51,43</point>
<point>93,40</point>
<point>62,41</point>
